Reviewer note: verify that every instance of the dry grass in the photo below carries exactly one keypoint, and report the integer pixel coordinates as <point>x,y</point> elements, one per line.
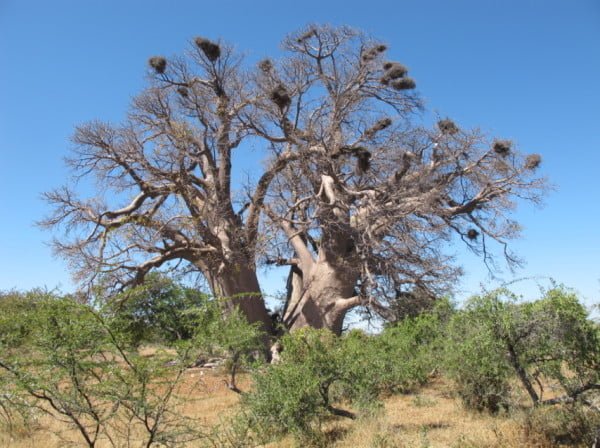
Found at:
<point>204,397</point>
<point>430,418</point>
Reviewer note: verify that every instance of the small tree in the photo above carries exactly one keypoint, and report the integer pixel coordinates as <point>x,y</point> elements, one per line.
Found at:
<point>548,341</point>
<point>475,359</point>
<point>411,349</point>
<point>155,311</point>
<point>227,334</point>
<point>75,367</point>
<point>296,395</point>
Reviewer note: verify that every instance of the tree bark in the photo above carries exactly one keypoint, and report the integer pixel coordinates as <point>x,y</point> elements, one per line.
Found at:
<point>238,284</point>
<point>321,297</point>
<point>522,374</point>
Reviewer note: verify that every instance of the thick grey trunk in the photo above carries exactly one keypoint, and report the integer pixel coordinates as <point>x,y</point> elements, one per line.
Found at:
<point>320,298</point>
<point>238,285</point>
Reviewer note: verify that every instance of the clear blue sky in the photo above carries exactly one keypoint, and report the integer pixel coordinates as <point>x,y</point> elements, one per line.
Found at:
<point>524,70</point>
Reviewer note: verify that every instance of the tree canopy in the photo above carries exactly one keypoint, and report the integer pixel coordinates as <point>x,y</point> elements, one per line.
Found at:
<point>358,195</point>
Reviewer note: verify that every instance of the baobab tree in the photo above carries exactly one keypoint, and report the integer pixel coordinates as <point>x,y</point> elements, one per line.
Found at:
<point>356,196</point>
<point>165,183</point>
<point>364,219</point>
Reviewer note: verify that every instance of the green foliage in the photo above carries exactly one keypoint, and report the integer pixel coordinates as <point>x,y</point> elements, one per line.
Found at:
<point>476,359</point>
<point>293,396</point>
<point>497,340</point>
<point>318,370</point>
<point>14,306</point>
<point>409,351</point>
<point>164,311</point>
<point>226,334</point>
<point>221,332</point>
<point>63,358</point>
<point>361,365</point>
<point>84,366</point>
<point>555,337</point>
<point>155,311</point>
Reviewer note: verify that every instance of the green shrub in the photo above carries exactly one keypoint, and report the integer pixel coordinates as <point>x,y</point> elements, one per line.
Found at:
<point>15,329</point>
<point>556,339</point>
<point>76,367</point>
<point>318,370</point>
<point>294,396</point>
<point>496,342</point>
<point>155,311</point>
<point>226,334</point>
<point>409,351</point>
<point>475,358</point>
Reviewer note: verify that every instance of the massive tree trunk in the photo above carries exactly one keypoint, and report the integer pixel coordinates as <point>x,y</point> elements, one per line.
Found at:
<point>238,285</point>
<point>320,296</point>
<point>321,288</point>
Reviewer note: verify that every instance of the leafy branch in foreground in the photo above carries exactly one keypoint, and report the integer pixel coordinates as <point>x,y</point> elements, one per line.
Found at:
<point>64,359</point>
